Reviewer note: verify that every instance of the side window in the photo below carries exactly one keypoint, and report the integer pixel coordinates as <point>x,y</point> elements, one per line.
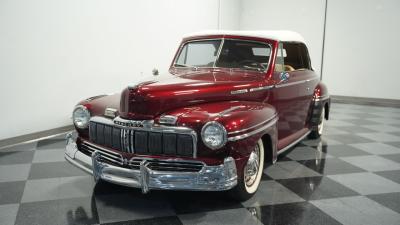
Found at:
<point>296,56</point>
<point>280,59</point>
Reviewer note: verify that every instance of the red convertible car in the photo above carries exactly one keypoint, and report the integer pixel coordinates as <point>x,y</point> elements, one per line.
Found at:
<point>232,101</point>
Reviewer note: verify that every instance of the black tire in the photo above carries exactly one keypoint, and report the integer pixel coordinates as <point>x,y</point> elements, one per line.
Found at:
<point>317,131</point>
<point>243,191</point>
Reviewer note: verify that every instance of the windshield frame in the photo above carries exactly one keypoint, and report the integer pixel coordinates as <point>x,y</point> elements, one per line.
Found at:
<point>222,39</point>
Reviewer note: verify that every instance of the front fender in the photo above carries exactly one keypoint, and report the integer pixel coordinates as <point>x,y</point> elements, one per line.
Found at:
<point>245,122</point>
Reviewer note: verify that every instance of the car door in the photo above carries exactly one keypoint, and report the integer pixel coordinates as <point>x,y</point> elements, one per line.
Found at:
<point>293,92</point>
<point>298,58</point>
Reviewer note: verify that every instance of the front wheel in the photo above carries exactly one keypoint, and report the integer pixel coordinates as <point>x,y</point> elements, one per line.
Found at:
<point>252,173</point>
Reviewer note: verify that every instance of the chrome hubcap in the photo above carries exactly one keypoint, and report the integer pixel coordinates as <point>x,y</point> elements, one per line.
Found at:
<point>252,167</point>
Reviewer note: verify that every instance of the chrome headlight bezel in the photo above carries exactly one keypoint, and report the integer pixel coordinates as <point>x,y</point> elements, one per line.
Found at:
<point>84,114</point>
<point>219,126</point>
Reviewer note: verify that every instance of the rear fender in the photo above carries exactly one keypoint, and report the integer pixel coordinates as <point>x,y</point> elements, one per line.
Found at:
<point>321,100</point>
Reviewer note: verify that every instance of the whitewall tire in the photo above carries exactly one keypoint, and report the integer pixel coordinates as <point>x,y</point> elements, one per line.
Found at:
<point>252,173</point>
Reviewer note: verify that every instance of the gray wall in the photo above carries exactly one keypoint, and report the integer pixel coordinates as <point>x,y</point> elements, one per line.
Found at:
<point>361,54</point>
<point>54,53</point>
<point>362,48</point>
<point>303,16</point>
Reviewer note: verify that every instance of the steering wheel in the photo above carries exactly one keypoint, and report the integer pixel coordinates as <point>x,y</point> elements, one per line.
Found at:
<point>251,63</point>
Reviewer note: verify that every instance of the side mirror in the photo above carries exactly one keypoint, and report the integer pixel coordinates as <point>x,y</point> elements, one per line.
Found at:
<point>155,72</point>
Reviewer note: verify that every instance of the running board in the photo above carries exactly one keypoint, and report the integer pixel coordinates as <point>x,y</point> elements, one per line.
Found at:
<point>293,143</point>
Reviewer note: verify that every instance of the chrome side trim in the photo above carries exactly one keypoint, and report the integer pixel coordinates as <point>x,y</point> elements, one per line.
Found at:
<point>240,91</point>
<point>293,143</point>
<point>242,136</point>
<point>148,125</point>
<point>290,84</point>
<point>287,84</point>
<point>252,127</point>
<point>95,97</point>
<point>261,88</point>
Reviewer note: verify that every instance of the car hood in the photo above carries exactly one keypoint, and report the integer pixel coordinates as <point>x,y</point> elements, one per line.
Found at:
<point>147,100</point>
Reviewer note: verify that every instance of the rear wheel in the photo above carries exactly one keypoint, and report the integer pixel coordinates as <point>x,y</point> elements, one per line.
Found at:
<point>317,132</point>
<point>252,174</point>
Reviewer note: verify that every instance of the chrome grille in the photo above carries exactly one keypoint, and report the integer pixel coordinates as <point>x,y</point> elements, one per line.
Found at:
<point>105,155</point>
<point>153,141</point>
<point>167,165</point>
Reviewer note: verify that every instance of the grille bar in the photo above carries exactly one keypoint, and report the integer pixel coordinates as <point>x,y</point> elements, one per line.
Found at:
<point>153,141</point>
<point>164,165</point>
<point>104,154</point>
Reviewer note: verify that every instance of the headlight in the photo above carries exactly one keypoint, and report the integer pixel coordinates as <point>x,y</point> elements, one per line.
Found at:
<point>214,135</point>
<point>81,116</point>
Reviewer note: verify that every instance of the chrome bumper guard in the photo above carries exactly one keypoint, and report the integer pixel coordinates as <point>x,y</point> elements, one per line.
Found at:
<point>209,178</point>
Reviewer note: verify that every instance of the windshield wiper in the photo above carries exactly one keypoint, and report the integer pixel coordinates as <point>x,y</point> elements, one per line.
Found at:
<point>180,65</point>
<point>253,68</point>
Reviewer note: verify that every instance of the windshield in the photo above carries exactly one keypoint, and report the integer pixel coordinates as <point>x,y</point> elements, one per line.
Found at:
<point>226,54</point>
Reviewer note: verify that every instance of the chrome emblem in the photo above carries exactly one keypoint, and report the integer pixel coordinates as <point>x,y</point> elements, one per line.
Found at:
<point>110,112</point>
<point>130,123</point>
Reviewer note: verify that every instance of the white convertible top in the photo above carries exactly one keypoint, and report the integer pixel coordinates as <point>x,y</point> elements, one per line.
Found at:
<point>278,35</point>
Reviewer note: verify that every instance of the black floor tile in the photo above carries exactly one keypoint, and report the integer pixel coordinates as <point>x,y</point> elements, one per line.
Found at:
<point>360,122</point>
<point>356,129</point>
<point>265,177</point>
<point>132,206</point>
<point>193,202</point>
<point>313,188</point>
<point>395,144</point>
<point>11,192</point>
<point>393,157</point>
<point>54,169</point>
<point>393,175</point>
<point>363,115</point>
<point>396,134</point>
<point>78,211</point>
<point>50,144</point>
<point>170,220</point>
<point>106,188</point>
<point>389,200</point>
<point>330,166</point>
<point>68,211</point>
<point>302,213</point>
<point>16,157</point>
<point>343,151</point>
<point>349,138</point>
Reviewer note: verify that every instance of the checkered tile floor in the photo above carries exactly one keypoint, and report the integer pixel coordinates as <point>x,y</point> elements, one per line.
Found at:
<point>350,176</point>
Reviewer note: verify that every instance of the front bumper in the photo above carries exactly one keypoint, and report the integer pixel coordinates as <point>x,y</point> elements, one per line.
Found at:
<point>209,178</point>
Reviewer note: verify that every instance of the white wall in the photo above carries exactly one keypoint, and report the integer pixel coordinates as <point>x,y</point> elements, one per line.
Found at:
<point>229,17</point>
<point>362,48</point>
<point>54,53</point>
<point>303,16</point>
